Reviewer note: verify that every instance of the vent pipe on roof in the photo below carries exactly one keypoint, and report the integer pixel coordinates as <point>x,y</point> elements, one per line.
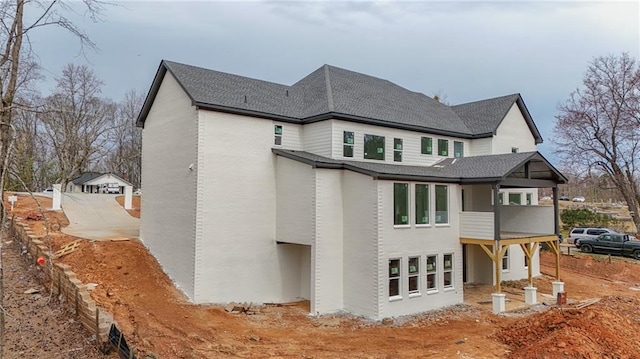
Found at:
<point>287,93</point>
<point>245,98</point>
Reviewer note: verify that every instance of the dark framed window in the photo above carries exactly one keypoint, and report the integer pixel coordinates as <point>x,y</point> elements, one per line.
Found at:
<point>422,204</point>
<point>397,149</point>
<point>374,147</point>
<point>443,147</point>
<point>400,203</point>
<point>442,204</point>
<point>414,275</point>
<point>426,145</point>
<point>448,270</point>
<point>348,142</point>
<point>394,277</point>
<point>432,271</point>
<point>458,149</point>
<point>278,135</point>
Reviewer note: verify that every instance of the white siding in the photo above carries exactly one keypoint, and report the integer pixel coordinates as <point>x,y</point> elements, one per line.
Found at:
<point>517,270</point>
<point>295,188</point>
<point>327,250</point>
<point>411,142</point>
<point>420,241</point>
<point>168,211</point>
<point>291,136</point>
<point>360,244</point>
<point>476,225</point>
<point>236,252</point>
<point>317,138</point>
<point>481,147</point>
<point>513,132</point>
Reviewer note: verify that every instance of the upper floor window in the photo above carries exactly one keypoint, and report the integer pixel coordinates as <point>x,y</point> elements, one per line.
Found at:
<point>514,149</point>
<point>278,135</point>
<point>397,149</point>
<point>426,145</point>
<point>458,149</point>
<point>347,147</point>
<point>443,147</point>
<point>515,198</point>
<point>400,203</point>
<point>374,147</point>
<point>442,204</point>
<point>422,204</point>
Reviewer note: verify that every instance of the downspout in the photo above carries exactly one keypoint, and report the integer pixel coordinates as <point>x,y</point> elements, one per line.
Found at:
<point>497,258</point>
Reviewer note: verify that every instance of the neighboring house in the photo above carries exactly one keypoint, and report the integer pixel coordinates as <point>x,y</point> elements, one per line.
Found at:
<point>96,182</point>
<point>343,189</point>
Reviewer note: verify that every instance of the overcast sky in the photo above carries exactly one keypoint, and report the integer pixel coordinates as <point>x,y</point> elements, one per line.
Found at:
<point>467,51</point>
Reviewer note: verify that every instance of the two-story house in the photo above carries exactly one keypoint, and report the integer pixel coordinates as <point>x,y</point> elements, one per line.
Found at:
<point>343,189</point>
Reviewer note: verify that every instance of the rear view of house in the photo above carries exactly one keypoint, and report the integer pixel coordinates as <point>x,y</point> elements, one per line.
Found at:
<point>343,189</point>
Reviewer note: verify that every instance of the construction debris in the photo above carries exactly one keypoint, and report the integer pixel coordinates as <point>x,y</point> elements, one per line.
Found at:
<point>588,302</point>
<point>236,308</point>
<point>68,248</point>
<point>31,291</point>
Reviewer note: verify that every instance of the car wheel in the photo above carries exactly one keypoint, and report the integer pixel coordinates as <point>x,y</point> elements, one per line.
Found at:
<point>636,254</point>
<point>586,248</point>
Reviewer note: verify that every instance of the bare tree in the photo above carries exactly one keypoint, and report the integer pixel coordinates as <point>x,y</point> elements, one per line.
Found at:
<point>76,121</point>
<point>125,159</point>
<point>599,125</point>
<point>15,53</point>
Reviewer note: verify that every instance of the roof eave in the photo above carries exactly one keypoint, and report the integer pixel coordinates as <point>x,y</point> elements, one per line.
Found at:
<point>246,112</point>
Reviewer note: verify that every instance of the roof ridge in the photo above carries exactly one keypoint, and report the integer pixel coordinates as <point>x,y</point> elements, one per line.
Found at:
<point>327,79</point>
<point>487,99</point>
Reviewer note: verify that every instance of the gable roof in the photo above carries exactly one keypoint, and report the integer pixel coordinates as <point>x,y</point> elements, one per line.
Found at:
<point>90,176</point>
<point>333,92</point>
<point>477,169</point>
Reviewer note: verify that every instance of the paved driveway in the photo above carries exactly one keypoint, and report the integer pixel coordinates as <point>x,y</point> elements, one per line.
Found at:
<point>98,217</point>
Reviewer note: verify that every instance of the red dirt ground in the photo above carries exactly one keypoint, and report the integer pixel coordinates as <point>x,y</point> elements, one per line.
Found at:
<point>157,319</point>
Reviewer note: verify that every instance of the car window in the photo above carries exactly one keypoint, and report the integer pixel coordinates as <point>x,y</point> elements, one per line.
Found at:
<point>605,237</point>
<point>596,231</point>
<point>578,230</point>
<point>616,238</point>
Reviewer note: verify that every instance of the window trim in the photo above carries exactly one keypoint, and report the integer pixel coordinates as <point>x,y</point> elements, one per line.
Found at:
<point>435,206</point>
<point>506,260</point>
<point>434,272</point>
<point>416,292</point>
<point>407,207</point>
<point>364,147</point>
<point>346,144</point>
<point>396,150</point>
<point>426,150</point>
<point>461,147</point>
<point>277,136</point>
<point>427,204</point>
<point>451,270</point>
<point>443,140</point>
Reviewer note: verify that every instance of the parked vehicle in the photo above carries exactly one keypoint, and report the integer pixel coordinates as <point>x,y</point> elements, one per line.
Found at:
<point>48,190</point>
<point>578,199</point>
<point>611,243</point>
<point>545,198</point>
<point>563,198</point>
<point>586,232</point>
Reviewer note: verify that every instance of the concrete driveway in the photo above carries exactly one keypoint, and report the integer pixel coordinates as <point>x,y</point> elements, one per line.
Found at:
<point>98,217</point>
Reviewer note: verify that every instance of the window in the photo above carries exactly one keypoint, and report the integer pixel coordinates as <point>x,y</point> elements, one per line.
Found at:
<point>414,275</point>
<point>514,149</point>
<point>505,260</point>
<point>432,271</point>
<point>515,198</point>
<point>448,271</point>
<point>578,231</point>
<point>400,203</point>
<point>397,149</point>
<point>425,147</point>
<point>347,146</point>
<point>443,147</point>
<point>529,196</point>
<point>442,205</point>
<point>458,149</point>
<point>394,278</point>
<point>501,198</point>
<point>374,147</point>
<point>278,132</point>
<point>422,204</point>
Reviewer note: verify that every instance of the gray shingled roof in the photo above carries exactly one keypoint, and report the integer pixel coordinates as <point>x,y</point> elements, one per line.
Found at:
<point>86,177</point>
<point>332,92</point>
<point>488,168</point>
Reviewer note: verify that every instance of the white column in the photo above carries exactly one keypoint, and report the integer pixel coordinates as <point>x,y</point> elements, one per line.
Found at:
<point>557,288</point>
<point>57,197</point>
<point>499,302</point>
<point>128,195</point>
<point>530,295</point>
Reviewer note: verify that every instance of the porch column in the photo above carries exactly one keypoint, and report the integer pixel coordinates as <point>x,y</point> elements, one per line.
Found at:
<point>496,234</point>
<point>556,228</point>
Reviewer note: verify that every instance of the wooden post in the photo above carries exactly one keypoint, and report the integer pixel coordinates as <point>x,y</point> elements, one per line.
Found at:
<point>77,312</point>
<point>97,327</point>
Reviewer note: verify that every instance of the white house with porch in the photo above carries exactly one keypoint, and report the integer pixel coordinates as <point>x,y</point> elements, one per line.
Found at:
<point>97,182</point>
<point>342,189</point>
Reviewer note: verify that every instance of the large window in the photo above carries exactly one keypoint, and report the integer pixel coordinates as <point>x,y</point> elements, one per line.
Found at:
<point>448,271</point>
<point>394,278</point>
<point>432,273</point>
<point>347,147</point>
<point>374,147</point>
<point>458,149</point>
<point>426,146</point>
<point>442,204</point>
<point>400,203</point>
<point>397,149</point>
<point>422,204</point>
<point>414,275</point>
<point>443,147</point>
<point>278,135</point>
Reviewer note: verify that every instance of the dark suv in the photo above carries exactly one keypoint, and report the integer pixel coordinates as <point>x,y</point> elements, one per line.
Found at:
<point>586,232</point>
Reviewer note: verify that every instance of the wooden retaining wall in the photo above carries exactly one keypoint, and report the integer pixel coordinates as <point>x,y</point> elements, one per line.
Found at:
<point>72,292</point>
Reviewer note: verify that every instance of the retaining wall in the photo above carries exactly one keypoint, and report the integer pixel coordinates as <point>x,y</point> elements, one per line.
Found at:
<point>65,284</point>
